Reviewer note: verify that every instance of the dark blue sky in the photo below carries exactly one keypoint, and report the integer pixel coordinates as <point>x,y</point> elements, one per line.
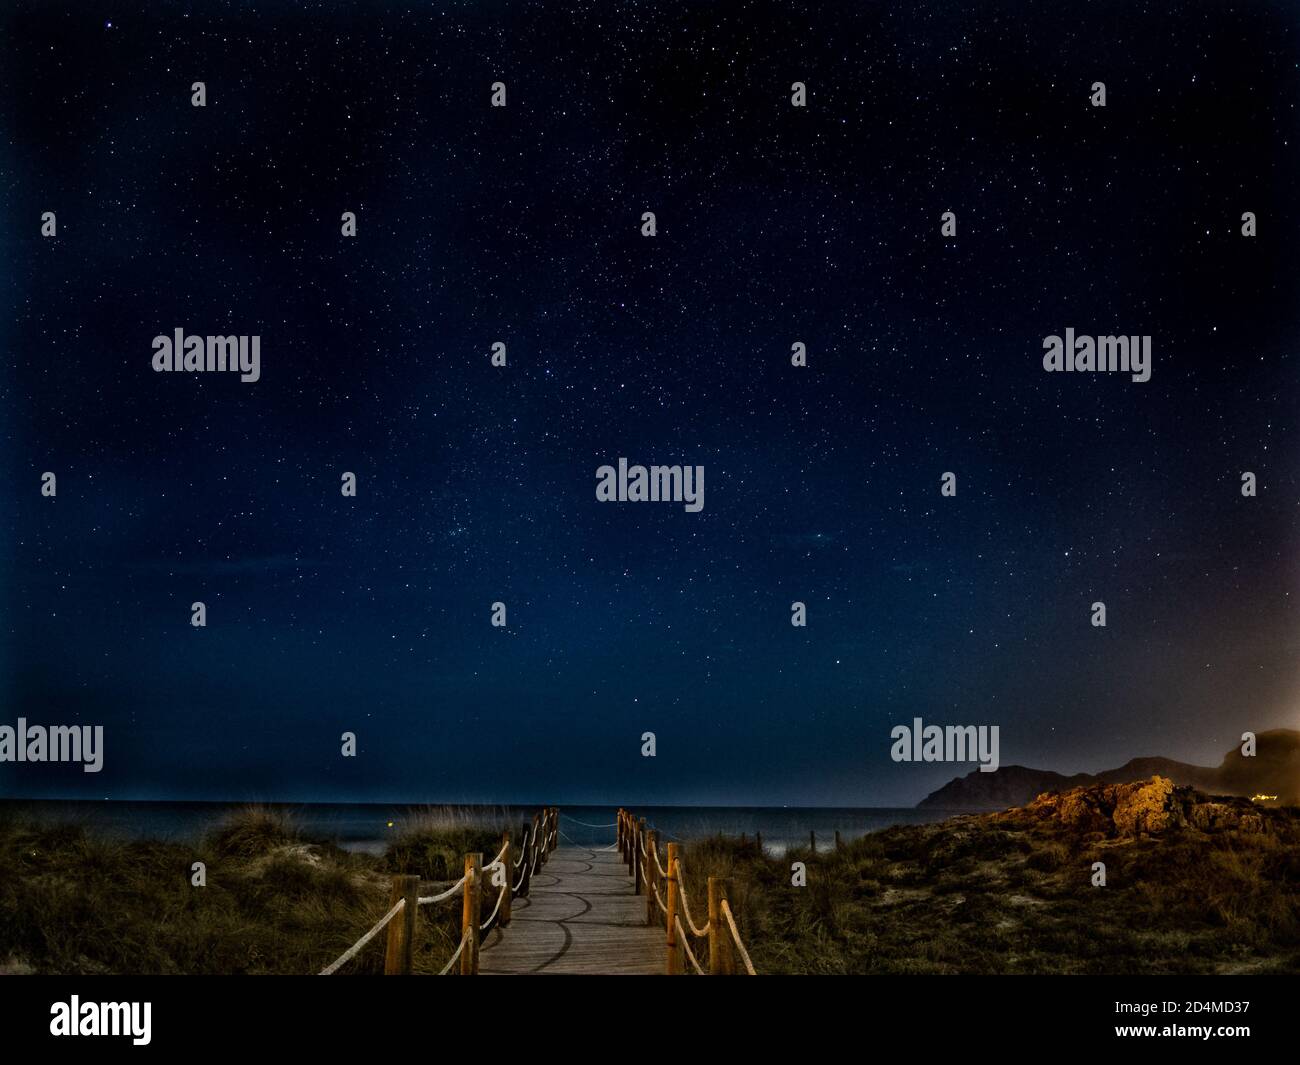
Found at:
<point>476,484</point>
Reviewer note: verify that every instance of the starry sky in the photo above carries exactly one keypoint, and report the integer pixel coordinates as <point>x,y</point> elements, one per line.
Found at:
<point>476,484</point>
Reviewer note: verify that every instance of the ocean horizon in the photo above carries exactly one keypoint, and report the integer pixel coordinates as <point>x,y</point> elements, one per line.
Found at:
<point>368,827</point>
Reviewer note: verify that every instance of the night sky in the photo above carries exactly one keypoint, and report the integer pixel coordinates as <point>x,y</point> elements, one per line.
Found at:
<point>476,484</point>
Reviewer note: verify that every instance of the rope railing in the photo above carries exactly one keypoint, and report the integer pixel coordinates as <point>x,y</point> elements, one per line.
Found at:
<point>735,935</point>
<point>586,824</point>
<point>639,847</point>
<point>487,925</point>
<point>355,949</point>
<point>686,946</point>
<point>526,842</point>
<point>446,969</point>
<point>426,900</point>
<point>537,841</point>
<point>700,933</point>
<point>645,879</point>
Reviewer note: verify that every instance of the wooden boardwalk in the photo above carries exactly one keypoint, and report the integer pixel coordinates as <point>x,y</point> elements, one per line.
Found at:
<point>580,916</point>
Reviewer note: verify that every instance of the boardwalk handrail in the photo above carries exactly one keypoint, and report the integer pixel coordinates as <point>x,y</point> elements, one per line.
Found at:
<point>640,849</point>
<point>537,841</point>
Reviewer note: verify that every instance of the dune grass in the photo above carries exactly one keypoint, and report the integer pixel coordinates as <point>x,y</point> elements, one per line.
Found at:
<point>72,902</point>
<point>976,895</point>
<point>433,841</point>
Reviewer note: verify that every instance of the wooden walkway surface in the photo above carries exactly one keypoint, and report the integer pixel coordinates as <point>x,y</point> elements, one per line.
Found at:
<point>579,917</point>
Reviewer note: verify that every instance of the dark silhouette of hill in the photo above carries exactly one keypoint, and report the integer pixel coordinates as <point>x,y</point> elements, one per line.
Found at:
<point>1273,770</point>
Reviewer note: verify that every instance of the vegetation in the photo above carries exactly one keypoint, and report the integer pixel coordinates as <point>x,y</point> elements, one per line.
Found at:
<point>1013,893</point>
<point>432,843</point>
<point>75,903</point>
<point>1193,886</point>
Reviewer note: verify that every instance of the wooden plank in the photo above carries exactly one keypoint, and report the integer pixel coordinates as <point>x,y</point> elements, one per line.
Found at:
<point>581,916</point>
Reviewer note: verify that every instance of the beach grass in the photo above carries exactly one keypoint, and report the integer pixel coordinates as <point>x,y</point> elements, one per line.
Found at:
<point>1000,893</point>
<point>997,894</point>
<point>275,902</point>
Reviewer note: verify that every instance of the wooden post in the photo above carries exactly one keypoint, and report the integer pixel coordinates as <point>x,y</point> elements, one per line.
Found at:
<point>651,876</point>
<point>534,859</point>
<point>638,837</point>
<point>619,820</point>
<point>674,871</point>
<point>721,961</point>
<point>469,914</point>
<point>509,871</point>
<point>400,951</point>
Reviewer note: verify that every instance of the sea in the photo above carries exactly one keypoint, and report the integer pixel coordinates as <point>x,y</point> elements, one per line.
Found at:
<point>369,827</point>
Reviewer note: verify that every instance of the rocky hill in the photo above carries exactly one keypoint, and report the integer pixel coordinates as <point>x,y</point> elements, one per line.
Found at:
<point>1153,807</point>
<point>1274,770</point>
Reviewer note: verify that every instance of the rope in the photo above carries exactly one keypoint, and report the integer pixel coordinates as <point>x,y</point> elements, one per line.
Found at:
<point>662,871</point>
<point>497,860</point>
<point>735,934</point>
<point>700,933</point>
<point>523,874</point>
<point>523,847</point>
<point>497,863</point>
<point>530,855</point>
<point>452,961</point>
<point>584,824</point>
<point>424,900</point>
<point>686,946</point>
<point>662,906</point>
<point>352,951</point>
<point>495,910</point>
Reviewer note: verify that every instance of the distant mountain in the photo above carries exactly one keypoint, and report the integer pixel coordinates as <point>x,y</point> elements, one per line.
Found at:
<point>1274,770</point>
